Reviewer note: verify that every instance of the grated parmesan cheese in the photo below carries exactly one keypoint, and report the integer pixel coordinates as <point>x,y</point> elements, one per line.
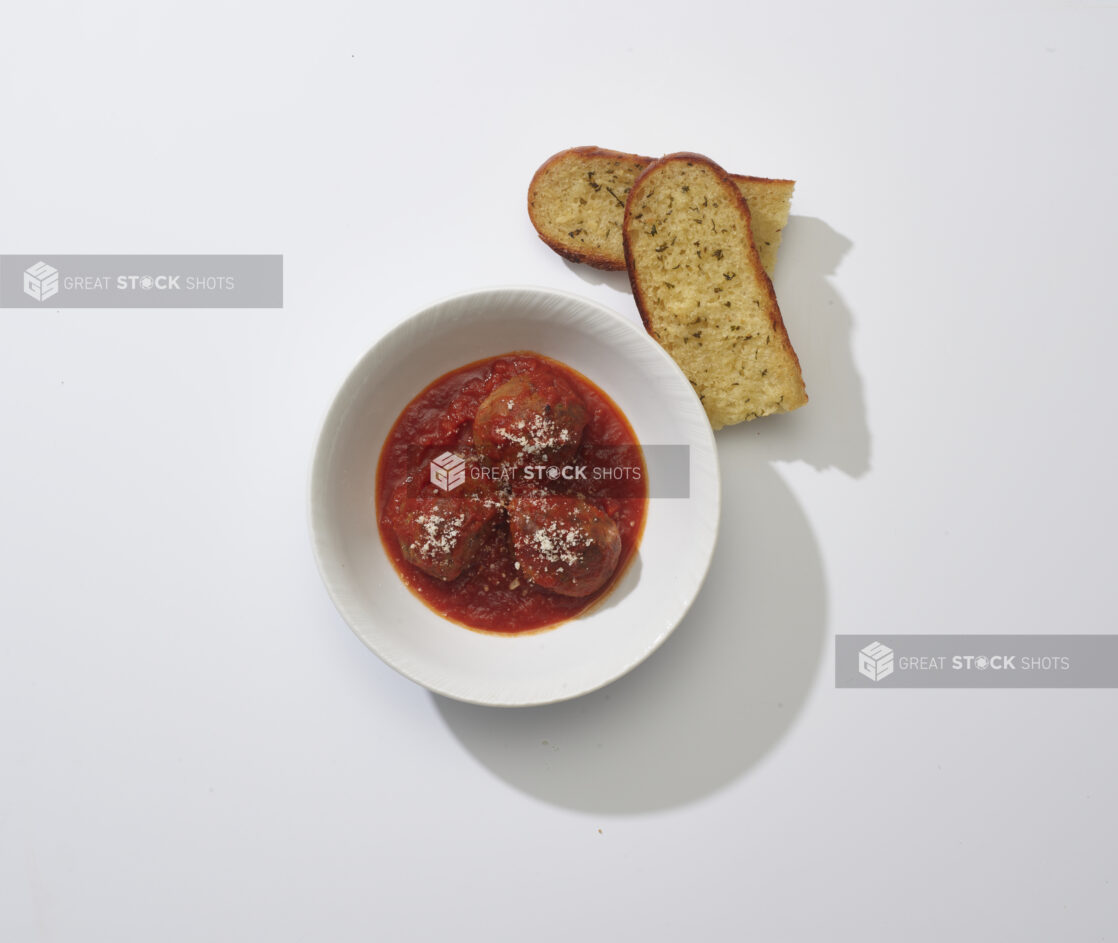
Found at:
<point>558,542</point>
<point>440,534</point>
<point>535,436</point>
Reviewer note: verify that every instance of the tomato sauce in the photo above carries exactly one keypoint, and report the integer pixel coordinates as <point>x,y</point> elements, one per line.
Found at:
<point>491,595</point>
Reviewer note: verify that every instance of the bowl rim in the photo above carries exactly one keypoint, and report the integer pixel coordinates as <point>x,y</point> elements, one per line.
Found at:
<point>338,403</point>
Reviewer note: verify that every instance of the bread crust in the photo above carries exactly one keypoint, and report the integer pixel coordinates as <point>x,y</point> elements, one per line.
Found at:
<point>735,198</point>
<point>586,255</point>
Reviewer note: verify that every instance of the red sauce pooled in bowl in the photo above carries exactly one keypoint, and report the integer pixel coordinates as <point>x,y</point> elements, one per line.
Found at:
<point>525,455</point>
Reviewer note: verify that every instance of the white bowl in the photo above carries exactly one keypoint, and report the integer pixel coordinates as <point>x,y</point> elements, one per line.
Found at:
<point>648,601</point>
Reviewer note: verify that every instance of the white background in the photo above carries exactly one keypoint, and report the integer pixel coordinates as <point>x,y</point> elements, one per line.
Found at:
<point>193,744</point>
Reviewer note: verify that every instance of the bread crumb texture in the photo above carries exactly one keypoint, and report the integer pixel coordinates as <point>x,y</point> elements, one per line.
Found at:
<point>577,201</point>
<point>703,294</point>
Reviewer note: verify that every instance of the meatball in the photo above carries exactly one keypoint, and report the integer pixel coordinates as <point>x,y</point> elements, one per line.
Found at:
<point>563,543</point>
<point>532,418</point>
<point>441,534</point>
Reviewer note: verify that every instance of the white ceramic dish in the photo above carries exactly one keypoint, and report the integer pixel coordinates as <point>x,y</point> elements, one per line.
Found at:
<point>654,592</point>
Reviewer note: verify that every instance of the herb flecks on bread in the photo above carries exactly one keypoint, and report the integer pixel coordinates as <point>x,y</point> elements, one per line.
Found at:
<point>702,292</point>
<point>577,202</point>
